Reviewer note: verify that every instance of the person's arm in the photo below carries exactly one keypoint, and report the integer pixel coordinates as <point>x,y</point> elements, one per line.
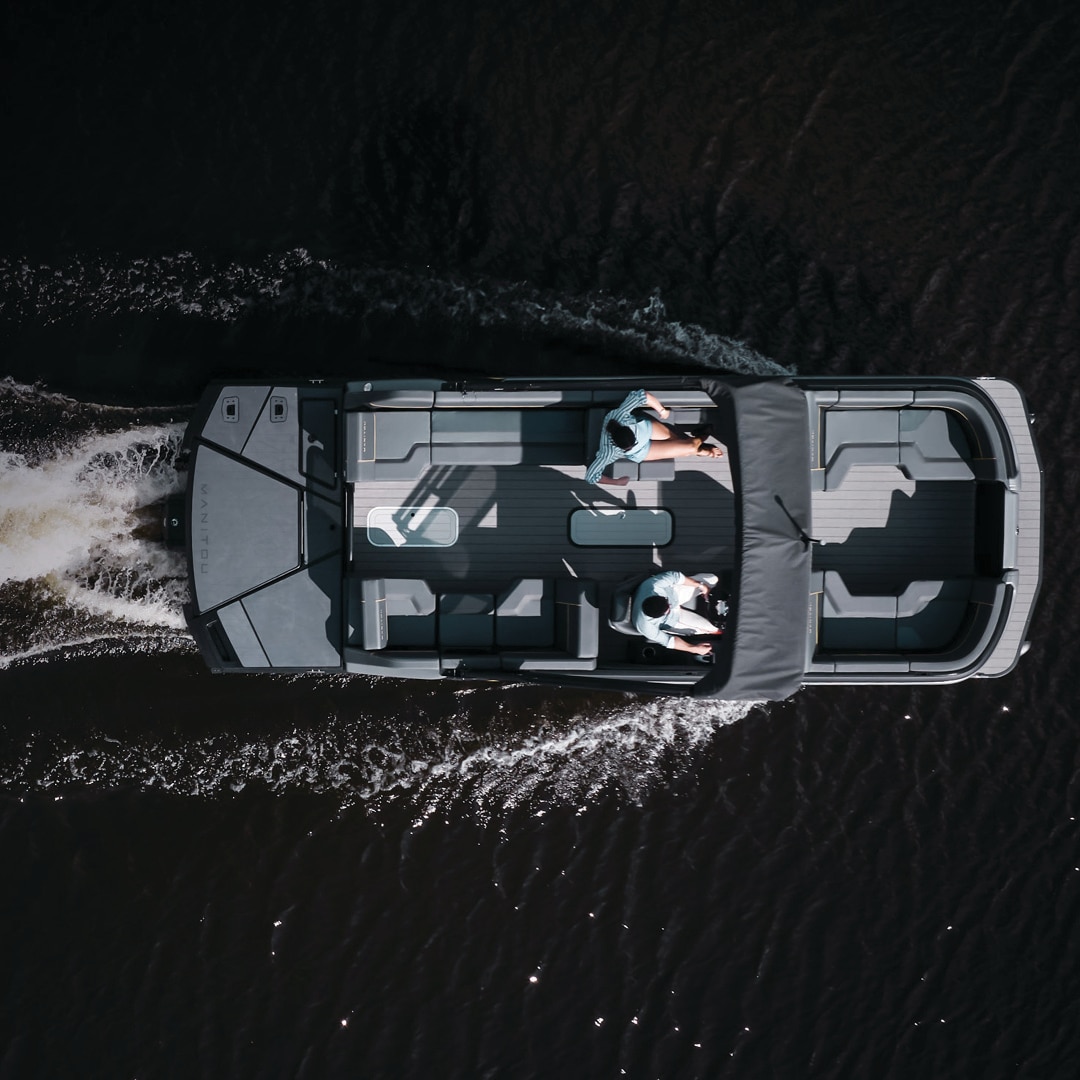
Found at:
<point>695,584</point>
<point>604,457</point>
<point>654,403</point>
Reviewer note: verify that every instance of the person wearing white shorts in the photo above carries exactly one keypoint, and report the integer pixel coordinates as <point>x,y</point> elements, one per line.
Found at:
<point>663,610</point>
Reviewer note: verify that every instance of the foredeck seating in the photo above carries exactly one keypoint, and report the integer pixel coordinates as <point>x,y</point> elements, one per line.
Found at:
<point>927,626</point>
<point>534,624</point>
<point>867,429</point>
<point>932,446</point>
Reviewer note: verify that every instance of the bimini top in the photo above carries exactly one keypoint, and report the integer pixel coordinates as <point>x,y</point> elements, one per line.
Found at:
<point>764,652</point>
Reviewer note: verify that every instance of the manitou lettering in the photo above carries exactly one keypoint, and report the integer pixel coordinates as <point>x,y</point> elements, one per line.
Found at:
<point>204,531</point>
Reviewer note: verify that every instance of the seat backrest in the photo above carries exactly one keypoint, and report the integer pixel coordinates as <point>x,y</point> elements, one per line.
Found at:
<point>577,620</point>
<point>620,610</point>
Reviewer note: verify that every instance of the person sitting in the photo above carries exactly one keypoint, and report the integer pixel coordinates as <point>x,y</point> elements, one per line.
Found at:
<point>663,611</point>
<point>628,434</point>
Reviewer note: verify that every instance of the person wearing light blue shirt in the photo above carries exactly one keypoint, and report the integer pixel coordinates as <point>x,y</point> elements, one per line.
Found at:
<point>625,433</point>
<point>662,610</point>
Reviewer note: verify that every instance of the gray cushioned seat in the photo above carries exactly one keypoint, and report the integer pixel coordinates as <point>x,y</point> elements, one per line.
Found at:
<point>466,620</point>
<point>525,615</point>
<point>924,615</point>
<point>373,614</point>
<point>395,613</point>
<point>577,632</point>
<point>390,444</point>
<point>936,622</point>
<point>859,437</point>
<point>840,603</point>
<point>508,437</point>
<point>932,446</point>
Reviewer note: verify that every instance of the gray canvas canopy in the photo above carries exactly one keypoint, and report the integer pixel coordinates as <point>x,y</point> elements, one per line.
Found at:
<point>764,651</point>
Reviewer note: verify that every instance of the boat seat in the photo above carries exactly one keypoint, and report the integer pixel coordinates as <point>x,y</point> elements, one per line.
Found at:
<point>400,443</point>
<point>840,603</point>
<point>928,446</point>
<point>620,610</point>
<point>859,437</point>
<point>396,613</point>
<point>624,468</point>
<point>924,616</point>
<point>576,627</point>
<point>466,620</point>
<point>387,444</point>
<point>958,639</point>
<point>639,470</point>
<point>508,437</point>
<point>408,597</point>
<point>982,614</point>
<point>525,615</point>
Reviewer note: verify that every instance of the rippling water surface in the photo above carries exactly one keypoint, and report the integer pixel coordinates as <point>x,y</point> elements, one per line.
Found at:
<point>308,877</point>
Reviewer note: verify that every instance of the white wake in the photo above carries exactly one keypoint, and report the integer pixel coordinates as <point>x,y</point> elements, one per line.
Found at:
<point>625,750</point>
<point>72,528</point>
<point>185,284</point>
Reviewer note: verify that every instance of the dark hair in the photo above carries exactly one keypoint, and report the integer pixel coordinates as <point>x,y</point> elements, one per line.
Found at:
<point>622,436</point>
<point>654,607</point>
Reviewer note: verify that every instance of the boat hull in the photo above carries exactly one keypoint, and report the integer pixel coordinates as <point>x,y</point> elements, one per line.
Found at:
<point>867,530</point>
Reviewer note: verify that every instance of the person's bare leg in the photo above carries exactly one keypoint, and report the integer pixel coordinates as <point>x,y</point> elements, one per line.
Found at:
<point>675,446</point>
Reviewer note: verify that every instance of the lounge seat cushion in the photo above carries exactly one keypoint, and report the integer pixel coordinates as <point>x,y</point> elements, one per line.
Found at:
<point>840,603</point>
<point>389,444</point>
<point>396,613</point>
<point>466,620</point>
<point>859,437</point>
<point>577,631</point>
<point>932,447</point>
<point>508,437</point>
<point>525,615</point>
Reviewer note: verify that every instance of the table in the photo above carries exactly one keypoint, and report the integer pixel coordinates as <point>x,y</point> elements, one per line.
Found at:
<point>412,526</point>
<point>615,527</point>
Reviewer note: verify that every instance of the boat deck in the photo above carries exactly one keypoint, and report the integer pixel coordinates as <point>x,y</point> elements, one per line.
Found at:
<point>475,544</point>
<point>880,529</point>
<point>515,522</point>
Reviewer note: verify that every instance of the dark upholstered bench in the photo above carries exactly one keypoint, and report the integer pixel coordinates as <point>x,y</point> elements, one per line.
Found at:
<point>535,624</point>
<point>927,444</point>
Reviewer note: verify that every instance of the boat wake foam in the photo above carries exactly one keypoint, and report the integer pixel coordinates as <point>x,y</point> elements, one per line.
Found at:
<point>301,284</point>
<point>624,750</point>
<point>80,557</point>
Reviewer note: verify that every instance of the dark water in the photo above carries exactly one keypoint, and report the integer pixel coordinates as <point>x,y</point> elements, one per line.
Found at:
<point>333,878</point>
